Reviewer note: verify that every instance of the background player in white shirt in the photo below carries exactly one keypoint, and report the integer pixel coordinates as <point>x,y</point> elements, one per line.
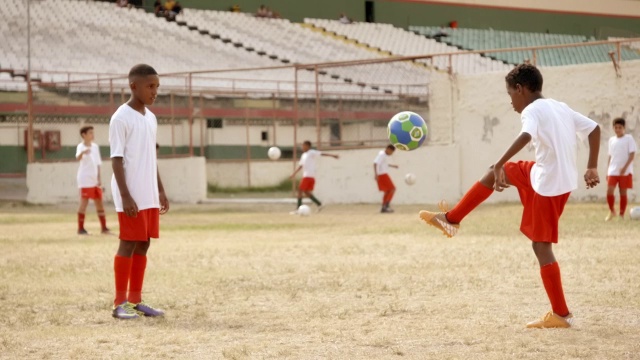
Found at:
<point>308,163</point>
<point>544,185</point>
<point>88,154</point>
<point>622,151</point>
<point>380,169</point>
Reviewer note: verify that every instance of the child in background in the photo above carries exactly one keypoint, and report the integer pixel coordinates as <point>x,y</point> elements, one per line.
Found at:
<point>622,151</point>
<point>88,154</point>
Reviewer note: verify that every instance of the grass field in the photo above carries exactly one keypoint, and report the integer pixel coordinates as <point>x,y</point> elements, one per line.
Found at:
<point>348,283</point>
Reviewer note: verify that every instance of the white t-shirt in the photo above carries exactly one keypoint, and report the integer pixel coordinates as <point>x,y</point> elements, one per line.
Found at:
<point>619,150</point>
<point>309,162</point>
<point>88,169</point>
<point>553,127</point>
<point>382,162</point>
<point>132,136</point>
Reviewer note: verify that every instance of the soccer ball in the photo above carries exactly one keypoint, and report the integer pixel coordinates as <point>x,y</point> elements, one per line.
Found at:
<point>304,210</point>
<point>274,153</point>
<point>634,213</point>
<point>407,130</point>
<point>410,178</point>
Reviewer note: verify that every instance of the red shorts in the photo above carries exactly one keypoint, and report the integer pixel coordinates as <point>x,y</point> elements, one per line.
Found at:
<point>91,193</point>
<point>307,184</point>
<point>625,182</point>
<point>140,228</point>
<point>384,183</point>
<point>541,213</point>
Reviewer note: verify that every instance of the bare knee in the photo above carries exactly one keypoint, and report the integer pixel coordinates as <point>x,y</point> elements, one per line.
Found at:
<point>83,205</point>
<point>488,179</point>
<point>142,247</point>
<point>623,192</point>
<point>544,252</point>
<point>126,248</point>
<point>99,205</point>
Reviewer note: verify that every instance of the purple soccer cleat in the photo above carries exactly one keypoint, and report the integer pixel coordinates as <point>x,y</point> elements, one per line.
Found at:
<point>147,310</point>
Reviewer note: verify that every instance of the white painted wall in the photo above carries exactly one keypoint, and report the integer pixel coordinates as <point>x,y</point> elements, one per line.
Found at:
<point>184,180</point>
<point>236,174</point>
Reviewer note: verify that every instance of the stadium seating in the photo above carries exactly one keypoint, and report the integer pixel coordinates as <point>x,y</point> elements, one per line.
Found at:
<point>289,42</point>
<point>97,37</point>
<point>480,39</point>
<point>401,42</point>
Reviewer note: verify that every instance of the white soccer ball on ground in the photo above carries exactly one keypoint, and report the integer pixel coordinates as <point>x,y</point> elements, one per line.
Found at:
<point>410,178</point>
<point>274,153</point>
<point>304,210</point>
<point>634,213</point>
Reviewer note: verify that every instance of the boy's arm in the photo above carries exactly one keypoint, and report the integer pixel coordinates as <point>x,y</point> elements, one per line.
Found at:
<point>608,164</point>
<point>394,166</point>
<point>164,202</point>
<point>128,204</point>
<point>99,180</point>
<point>591,177</point>
<point>375,171</point>
<point>330,155</point>
<point>498,172</point>
<point>295,172</point>
<point>629,162</point>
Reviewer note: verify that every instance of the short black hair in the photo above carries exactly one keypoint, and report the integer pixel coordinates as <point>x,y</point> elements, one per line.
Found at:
<point>85,129</point>
<point>141,70</point>
<point>527,76</point>
<point>391,147</point>
<point>619,121</point>
<point>157,146</point>
<point>307,142</point>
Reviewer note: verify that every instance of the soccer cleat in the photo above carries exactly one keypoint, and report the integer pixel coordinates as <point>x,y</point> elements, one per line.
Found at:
<point>552,320</point>
<point>610,216</point>
<point>125,311</point>
<point>387,210</point>
<point>439,221</point>
<point>147,310</point>
<point>106,231</point>
<point>82,232</point>
<point>320,208</point>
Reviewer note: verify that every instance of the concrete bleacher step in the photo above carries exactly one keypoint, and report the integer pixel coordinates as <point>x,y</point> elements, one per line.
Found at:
<point>351,41</point>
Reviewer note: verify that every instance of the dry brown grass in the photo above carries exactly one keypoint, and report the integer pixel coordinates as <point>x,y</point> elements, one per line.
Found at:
<point>348,283</point>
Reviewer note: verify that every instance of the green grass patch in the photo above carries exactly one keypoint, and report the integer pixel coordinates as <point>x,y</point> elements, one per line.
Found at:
<point>284,185</point>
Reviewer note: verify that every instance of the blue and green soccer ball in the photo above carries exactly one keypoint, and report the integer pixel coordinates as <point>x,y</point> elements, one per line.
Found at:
<point>407,130</point>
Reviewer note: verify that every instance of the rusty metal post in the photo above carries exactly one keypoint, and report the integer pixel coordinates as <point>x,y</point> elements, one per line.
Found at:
<point>30,154</point>
<point>111,101</point>
<point>201,125</point>
<point>295,125</point>
<point>535,58</point>
<point>246,123</point>
<point>190,115</point>
<point>273,118</point>
<point>318,128</point>
<point>173,125</point>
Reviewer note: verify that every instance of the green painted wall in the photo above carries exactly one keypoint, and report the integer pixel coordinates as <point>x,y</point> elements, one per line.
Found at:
<point>403,14</point>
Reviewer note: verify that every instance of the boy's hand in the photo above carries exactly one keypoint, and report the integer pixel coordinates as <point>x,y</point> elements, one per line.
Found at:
<point>624,170</point>
<point>394,166</point>
<point>336,156</point>
<point>591,178</point>
<point>164,203</point>
<point>129,206</point>
<point>500,182</point>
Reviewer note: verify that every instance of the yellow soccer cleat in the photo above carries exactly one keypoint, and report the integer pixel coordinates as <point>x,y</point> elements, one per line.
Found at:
<point>610,216</point>
<point>439,221</point>
<point>552,320</point>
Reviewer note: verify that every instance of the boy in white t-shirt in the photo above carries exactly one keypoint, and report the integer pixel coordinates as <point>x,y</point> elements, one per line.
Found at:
<point>622,151</point>
<point>385,184</point>
<point>308,163</point>
<point>138,193</point>
<point>88,154</point>
<point>544,185</point>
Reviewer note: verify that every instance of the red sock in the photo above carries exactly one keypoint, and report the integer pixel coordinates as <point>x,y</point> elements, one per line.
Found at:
<point>138,266</point>
<point>474,197</point>
<point>623,204</point>
<point>80,221</point>
<point>387,197</point>
<point>553,285</point>
<point>103,220</point>
<point>611,200</point>
<point>122,270</point>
